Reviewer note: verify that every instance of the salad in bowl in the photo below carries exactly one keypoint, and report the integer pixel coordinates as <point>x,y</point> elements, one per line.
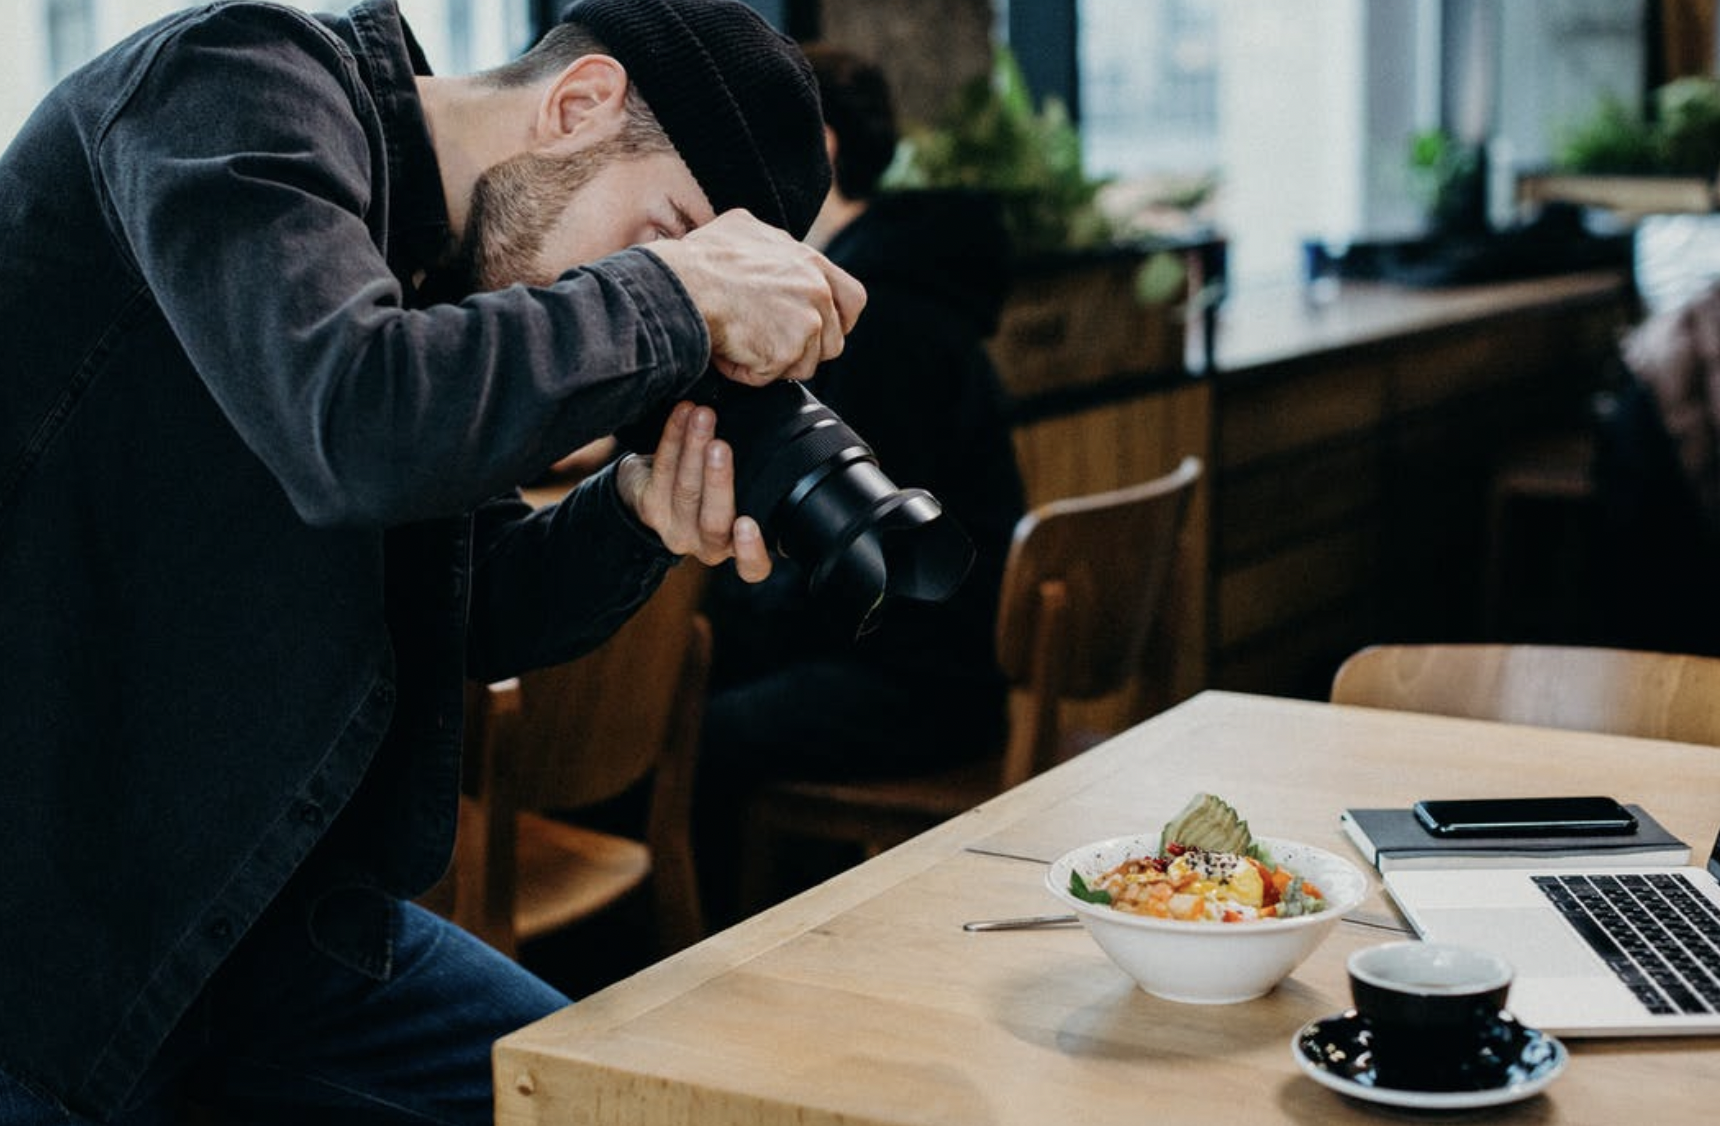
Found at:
<point>1204,911</point>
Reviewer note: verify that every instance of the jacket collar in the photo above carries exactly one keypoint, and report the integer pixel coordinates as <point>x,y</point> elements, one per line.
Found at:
<point>389,60</point>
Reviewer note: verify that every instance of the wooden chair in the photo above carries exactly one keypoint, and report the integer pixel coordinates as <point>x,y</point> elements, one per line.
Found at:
<point>568,738</point>
<point>1083,588</point>
<point>1619,691</point>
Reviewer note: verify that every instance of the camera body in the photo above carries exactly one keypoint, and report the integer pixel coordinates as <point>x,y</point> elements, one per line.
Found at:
<point>821,498</point>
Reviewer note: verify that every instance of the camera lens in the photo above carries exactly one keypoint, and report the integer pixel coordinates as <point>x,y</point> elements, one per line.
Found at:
<point>821,499</point>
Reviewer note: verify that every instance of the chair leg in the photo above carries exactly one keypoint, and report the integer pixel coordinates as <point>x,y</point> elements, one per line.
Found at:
<point>680,917</point>
<point>758,874</point>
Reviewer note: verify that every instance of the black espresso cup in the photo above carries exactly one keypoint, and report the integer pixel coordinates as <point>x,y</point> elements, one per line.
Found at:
<point>1434,1012</point>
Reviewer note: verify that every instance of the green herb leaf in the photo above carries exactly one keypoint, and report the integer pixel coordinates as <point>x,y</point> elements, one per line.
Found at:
<point>1297,901</point>
<point>1079,889</point>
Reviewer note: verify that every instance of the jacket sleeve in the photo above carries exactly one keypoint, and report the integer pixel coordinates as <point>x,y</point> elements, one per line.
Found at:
<point>552,584</point>
<point>244,171</point>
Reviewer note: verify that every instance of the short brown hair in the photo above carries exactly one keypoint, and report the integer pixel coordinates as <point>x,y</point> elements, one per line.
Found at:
<point>858,109</point>
<point>559,47</point>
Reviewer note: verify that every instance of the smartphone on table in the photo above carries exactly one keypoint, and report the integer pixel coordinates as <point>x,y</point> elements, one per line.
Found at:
<point>1517,817</point>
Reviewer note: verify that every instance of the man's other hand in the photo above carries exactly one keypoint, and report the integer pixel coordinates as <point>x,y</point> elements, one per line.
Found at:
<point>685,492</point>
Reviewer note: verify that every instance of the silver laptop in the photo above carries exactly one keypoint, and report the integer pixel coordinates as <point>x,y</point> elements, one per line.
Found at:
<point>1613,952</point>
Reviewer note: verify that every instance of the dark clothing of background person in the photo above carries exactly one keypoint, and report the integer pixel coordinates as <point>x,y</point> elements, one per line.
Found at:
<point>237,537</point>
<point>1657,485</point>
<point>793,692</point>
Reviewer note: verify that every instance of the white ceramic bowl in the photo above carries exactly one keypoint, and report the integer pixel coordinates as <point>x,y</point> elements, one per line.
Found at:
<point>1207,963</point>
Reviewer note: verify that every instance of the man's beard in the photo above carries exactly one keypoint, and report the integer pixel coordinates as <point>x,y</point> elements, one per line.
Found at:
<point>514,205</point>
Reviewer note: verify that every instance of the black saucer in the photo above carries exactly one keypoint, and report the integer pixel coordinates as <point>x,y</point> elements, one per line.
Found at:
<point>1337,1052</point>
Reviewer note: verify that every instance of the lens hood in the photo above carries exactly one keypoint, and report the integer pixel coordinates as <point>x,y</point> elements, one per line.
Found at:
<point>821,499</point>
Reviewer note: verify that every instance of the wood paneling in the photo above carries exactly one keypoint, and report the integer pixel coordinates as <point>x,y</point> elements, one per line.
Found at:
<point>1114,444</point>
<point>1350,498</point>
<point>1687,37</point>
<point>1336,568</point>
<point>1267,416</point>
<point>1136,437</point>
<point>1269,504</point>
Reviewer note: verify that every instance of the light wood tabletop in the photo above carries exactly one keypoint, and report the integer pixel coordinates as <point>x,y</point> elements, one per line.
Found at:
<point>863,1001</point>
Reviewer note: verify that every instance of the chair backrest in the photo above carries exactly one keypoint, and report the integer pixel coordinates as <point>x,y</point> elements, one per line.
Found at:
<point>1083,589</point>
<point>589,729</point>
<point>573,735</point>
<point>1619,691</point>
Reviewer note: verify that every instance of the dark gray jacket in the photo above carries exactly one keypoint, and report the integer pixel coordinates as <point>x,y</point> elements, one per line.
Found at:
<point>243,479</point>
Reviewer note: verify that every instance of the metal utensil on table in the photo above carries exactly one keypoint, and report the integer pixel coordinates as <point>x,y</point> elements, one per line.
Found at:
<point>1046,922</point>
<point>1022,923</point>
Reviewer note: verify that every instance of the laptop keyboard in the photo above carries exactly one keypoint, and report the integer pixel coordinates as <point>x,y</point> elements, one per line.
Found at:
<point>1655,931</point>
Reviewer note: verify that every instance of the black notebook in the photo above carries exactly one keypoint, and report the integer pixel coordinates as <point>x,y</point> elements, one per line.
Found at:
<point>1394,839</point>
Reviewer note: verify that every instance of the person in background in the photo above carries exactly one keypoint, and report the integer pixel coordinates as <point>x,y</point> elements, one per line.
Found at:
<point>794,693</point>
<point>286,319</point>
<point>1656,474</point>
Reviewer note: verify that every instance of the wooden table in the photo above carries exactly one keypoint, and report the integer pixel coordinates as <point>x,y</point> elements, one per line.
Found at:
<point>864,1002</point>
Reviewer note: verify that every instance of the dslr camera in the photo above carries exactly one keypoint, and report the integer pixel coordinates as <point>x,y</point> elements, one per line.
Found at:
<point>821,499</point>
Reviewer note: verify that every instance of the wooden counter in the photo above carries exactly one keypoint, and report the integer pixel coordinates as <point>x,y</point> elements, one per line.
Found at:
<point>1269,327</point>
<point>1349,447</point>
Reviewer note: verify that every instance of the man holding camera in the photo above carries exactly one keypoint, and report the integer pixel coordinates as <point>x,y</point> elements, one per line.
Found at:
<point>285,315</point>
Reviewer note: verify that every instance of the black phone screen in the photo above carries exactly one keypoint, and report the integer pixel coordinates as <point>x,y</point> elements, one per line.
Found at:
<point>1504,817</point>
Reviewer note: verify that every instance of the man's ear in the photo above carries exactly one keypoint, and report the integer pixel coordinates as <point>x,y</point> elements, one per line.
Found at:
<point>584,103</point>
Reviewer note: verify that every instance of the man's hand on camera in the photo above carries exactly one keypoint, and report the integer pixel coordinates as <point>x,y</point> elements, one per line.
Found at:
<point>775,307</point>
<point>685,492</point>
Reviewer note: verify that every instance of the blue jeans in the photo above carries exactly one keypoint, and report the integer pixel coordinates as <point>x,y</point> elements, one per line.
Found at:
<point>313,1021</point>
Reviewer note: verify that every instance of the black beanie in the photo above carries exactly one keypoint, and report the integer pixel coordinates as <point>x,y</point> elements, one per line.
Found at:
<point>735,96</point>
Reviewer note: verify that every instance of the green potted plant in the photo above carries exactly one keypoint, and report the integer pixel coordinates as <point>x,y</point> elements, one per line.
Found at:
<point>1451,179</point>
<point>994,139</point>
<point>1091,300</point>
<point>1636,163</point>
<point>1614,139</point>
<point>1683,139</point>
